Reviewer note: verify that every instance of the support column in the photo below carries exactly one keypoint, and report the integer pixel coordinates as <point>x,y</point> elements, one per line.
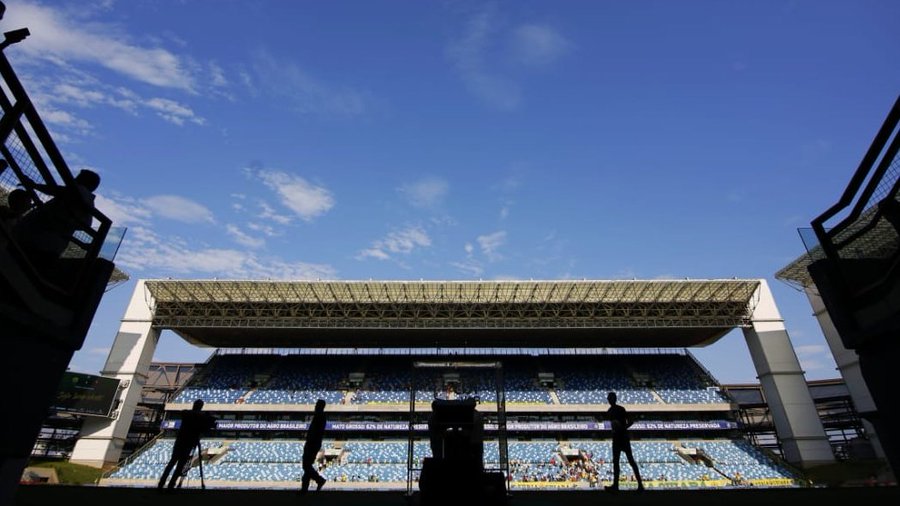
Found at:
<point>848,364</point>
<point>797,423</point>
<point>101,440</point>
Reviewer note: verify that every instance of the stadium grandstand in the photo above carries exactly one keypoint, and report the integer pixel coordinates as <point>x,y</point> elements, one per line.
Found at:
<point>360,345</point>
<point>357,344</point>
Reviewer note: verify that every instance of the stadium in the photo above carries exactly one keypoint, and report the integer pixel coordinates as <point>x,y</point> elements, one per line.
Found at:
<point>534,359</point>
<point>539,357</point>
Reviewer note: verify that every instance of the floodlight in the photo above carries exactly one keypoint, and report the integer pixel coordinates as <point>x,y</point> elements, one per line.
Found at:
<point>14,37</point>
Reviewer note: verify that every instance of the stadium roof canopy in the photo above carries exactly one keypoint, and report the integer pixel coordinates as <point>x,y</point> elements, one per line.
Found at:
<point>796,273</point>
<point>869,236</point>
<point>564,313</point>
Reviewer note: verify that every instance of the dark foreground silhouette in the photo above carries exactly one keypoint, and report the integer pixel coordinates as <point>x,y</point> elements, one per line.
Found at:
<point>35,495</point>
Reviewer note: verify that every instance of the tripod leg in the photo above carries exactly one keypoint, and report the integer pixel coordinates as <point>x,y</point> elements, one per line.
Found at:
<point>200,462</point>
<point>185,468</point>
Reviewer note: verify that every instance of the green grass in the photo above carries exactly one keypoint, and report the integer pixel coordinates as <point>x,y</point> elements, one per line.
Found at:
<point>68,473</point>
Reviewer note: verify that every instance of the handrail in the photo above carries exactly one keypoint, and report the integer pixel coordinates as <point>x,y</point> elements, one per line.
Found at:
<point>35,148</point>
<point>862,172</point>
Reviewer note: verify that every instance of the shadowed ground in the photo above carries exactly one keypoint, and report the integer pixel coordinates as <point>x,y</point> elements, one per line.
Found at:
<point>41,495</point>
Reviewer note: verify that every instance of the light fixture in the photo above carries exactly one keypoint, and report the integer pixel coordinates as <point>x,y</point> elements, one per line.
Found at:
<point>13,37</point>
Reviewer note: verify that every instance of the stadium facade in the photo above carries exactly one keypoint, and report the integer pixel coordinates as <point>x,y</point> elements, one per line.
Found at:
<point>406,315</point>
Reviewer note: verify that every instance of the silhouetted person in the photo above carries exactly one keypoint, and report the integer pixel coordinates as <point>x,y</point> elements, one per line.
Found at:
<point>311,448</point>
<point>17,204</point>
<point>45,232</point>
<point>194,424</point>
<point>621,442</point>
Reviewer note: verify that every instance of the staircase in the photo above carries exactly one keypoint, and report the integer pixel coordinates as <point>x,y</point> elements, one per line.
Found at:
<point>855,265</point>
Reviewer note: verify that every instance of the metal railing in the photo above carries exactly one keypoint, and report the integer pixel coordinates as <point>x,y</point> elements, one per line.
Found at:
<point>869,204</point>
<point>30,160</point>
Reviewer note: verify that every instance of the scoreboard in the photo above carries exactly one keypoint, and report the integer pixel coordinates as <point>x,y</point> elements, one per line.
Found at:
<point>86,394</point>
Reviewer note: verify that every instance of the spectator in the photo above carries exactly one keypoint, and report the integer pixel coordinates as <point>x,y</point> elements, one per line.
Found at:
<point>17,204</point>
<point>45,232</point>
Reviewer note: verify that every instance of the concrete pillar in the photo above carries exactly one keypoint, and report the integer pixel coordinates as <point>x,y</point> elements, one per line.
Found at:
<point>797,423</point>
<point>101,440</point>
<point>848,365</point>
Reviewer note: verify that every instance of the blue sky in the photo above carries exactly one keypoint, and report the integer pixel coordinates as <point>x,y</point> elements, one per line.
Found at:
<point>462,140</point>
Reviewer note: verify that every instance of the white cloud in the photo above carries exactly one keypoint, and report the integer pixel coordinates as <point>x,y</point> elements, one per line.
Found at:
<point>467,53</point>
<point>809,349</point>
<point>402,242</point>
<point>147,252</point>
<point>425,193</point>
<point>374,253</point>
<point>303,92</point>
<point>268,213</point>
<point>277,269</point>
<point>64,119</point>
<point>127,211</point>
<point>173,111</point>
<point>538,45</point>
<point>247,81</point>
<point>123,211</point>
<point>469,248</point>
<point>811,364</point>
<point>263,228</point>
<point>66,52</point>
<point>813,356</point>
<point>84,92</point>
<point>243,238</point>
<point>217,75</point>
<point>490,243</point>
<point>469,267</point>
<point>406,240</point>
<point>297,194</point>
<point>67,92</point>
<point>59,35</point>
<point>178,208</point>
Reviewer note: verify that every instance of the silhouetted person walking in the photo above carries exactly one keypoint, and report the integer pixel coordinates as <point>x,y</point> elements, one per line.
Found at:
<point>194,424</point>
<point>621,442</point>
<point>311,448</point>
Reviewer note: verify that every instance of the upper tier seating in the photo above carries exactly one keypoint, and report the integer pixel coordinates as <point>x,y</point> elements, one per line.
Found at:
<point>583,379</point>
